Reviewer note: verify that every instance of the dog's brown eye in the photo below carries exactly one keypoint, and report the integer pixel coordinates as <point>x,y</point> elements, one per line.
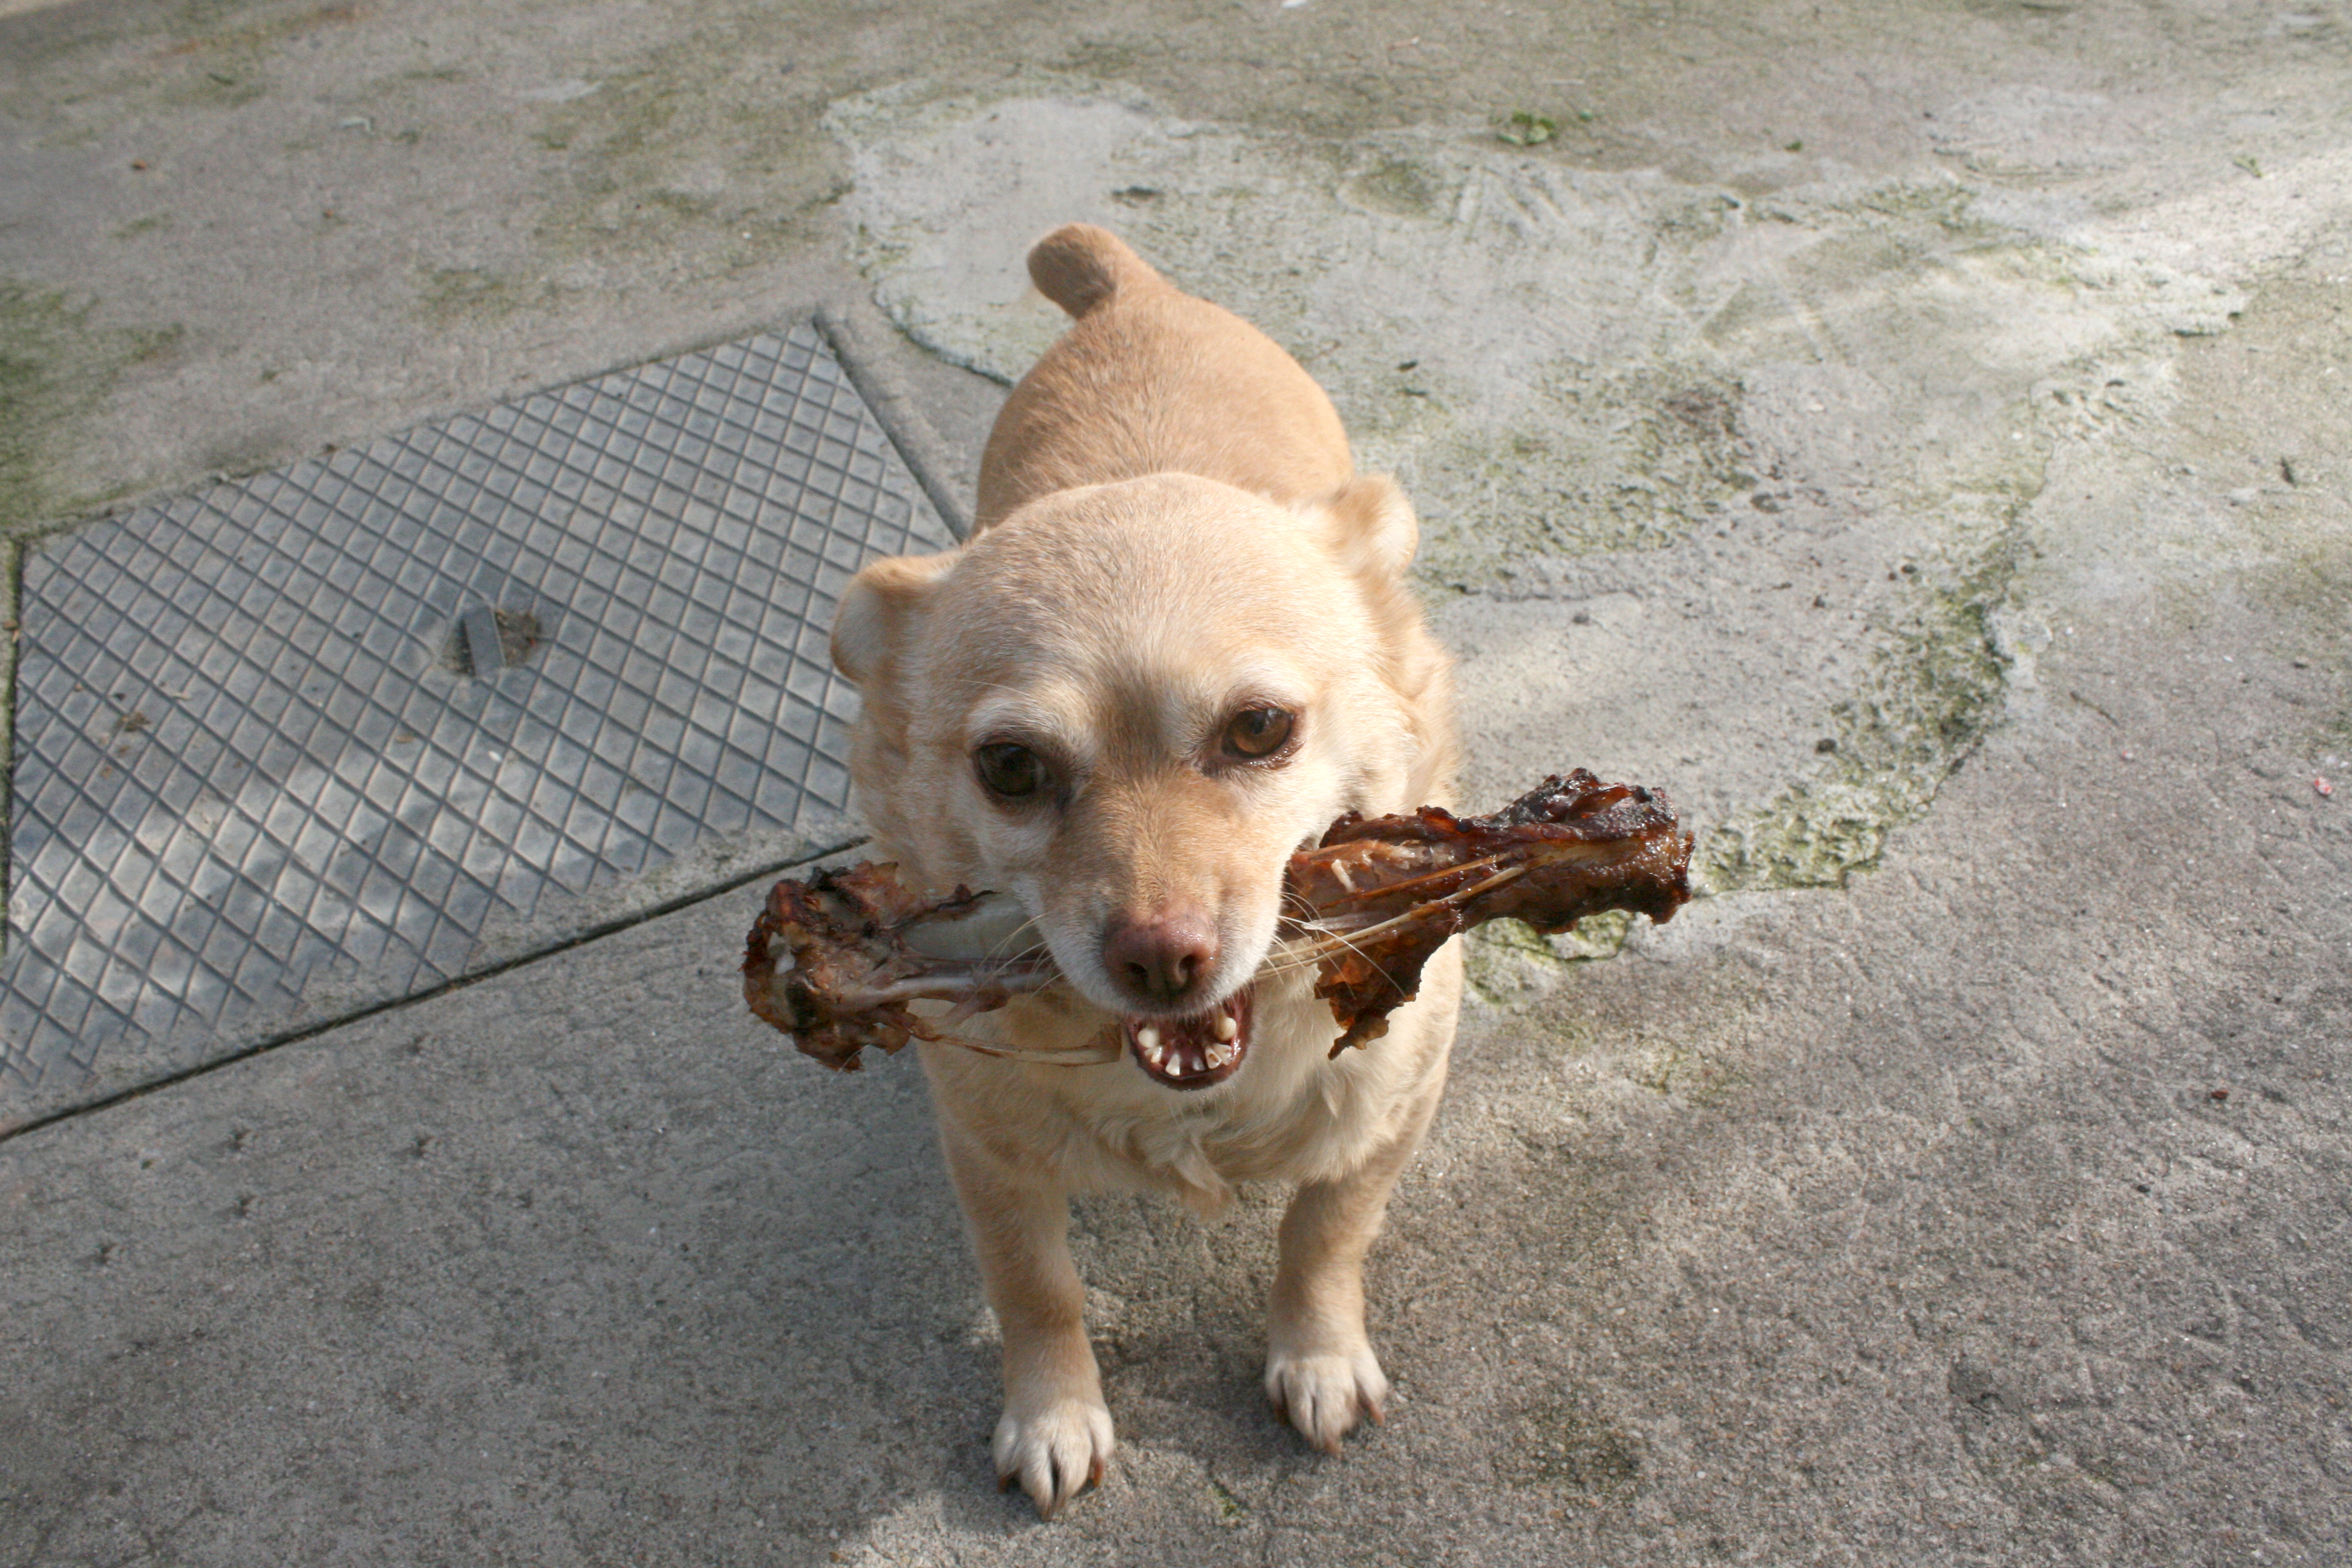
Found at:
<point>1257,733</point>
<point>1012,771</point>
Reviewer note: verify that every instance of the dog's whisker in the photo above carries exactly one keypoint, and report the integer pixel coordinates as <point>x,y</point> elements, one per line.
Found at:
<point>1019,957</point>
<point>1312,956</point>
<point>1342,941</point>
<point>1288,961</point>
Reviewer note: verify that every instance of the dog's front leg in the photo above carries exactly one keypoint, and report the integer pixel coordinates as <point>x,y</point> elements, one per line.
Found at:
<point>1320,1370</point>
<point>1055,1435</point>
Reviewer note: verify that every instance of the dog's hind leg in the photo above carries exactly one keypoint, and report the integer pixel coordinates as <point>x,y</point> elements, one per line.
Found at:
<point>1055,1437</point>
<point>1320,1370</point>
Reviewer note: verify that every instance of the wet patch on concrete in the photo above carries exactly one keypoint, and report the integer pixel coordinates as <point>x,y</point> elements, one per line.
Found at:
<point>1795,437</point>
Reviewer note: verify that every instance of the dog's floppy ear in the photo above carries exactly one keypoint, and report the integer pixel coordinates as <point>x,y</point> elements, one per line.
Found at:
<point>1371,528</point>
<point>881,606</point>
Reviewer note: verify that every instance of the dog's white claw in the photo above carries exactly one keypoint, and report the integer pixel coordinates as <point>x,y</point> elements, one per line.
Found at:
<point>1326,1396</point>
<point>1055,1453</point>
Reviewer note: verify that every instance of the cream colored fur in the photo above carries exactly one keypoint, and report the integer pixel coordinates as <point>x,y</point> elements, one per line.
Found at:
<point>1170,529</point>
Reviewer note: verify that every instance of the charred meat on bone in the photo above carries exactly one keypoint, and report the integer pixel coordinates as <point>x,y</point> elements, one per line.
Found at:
<point>1370,903</point>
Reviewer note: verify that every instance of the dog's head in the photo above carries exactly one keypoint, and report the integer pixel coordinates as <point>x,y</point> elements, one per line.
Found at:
<point>1127,704</point>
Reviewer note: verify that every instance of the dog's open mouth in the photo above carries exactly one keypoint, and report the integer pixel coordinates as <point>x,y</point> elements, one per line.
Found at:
<point>1195,1050</point>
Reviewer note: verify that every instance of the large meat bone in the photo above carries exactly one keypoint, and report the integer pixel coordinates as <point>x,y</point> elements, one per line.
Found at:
<point>863,948</point>
<point>1386,893</point>
<point>1370,905</point>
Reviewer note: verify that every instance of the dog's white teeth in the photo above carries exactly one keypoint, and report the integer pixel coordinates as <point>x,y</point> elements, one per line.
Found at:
<point>1186,1057</point>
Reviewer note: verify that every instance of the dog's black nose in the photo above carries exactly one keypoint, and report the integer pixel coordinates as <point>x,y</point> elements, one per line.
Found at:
<point>1161,956</point>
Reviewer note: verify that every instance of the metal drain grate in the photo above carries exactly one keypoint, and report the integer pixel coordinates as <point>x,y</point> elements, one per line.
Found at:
<point>343,733</point>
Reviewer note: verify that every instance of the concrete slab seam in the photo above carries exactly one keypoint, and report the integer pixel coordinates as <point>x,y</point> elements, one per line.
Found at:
<point>12,578</point>
<point>894,409</point>
<point>16,1129</point>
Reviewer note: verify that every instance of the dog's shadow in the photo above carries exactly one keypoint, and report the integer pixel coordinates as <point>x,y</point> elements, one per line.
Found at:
<point>864,1361</point>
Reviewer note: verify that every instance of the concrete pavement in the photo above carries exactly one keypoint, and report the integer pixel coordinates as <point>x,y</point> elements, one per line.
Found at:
<point>1918,440</point>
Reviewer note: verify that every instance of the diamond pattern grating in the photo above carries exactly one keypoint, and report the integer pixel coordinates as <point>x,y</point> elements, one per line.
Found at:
<point>260,773</point>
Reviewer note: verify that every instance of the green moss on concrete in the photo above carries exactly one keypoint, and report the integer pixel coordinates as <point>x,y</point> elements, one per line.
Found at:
<point>1401,188</point>
<point>1506,960</point>
<point>705,148</point>
<point>1636,459</point>
<point>1564,1447</point>
<point>56,369</point>
<point>451,295</point>
<point>97,69</point>
<point>1934,686</point>
<point>2310,579</point>
<point>211,88</point>
<point>1674,1072</point>
<point>2308,582</point>
<point>1950,208</point>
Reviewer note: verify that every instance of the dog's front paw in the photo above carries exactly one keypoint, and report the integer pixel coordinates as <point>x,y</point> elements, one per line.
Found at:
<point>1325,1394</point>
<point>1055,1450</point>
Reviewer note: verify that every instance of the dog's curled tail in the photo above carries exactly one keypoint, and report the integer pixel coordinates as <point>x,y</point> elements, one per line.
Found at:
<point>1079,266</point>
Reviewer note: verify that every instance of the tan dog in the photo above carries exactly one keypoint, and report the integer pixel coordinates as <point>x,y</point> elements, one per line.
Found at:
<point>1178,645</point>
